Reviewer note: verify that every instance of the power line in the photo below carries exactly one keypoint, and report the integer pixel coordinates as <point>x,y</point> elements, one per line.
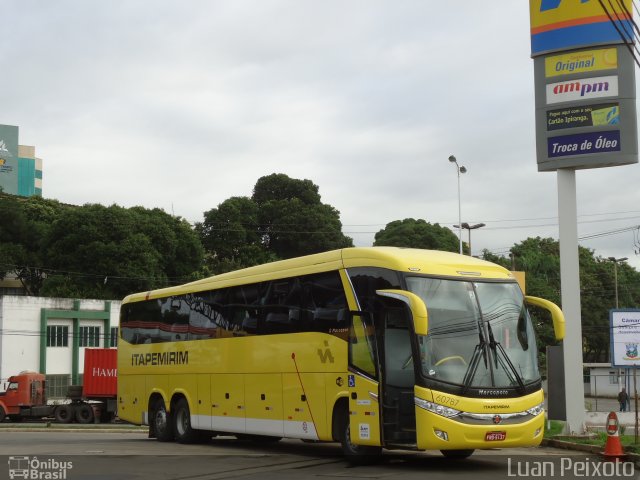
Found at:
<point>618,23</point>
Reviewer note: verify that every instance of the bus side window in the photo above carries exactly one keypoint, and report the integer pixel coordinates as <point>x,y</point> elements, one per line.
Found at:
<point>362,347</point>
<point>243,309</point>
<point>140,322</point>
<point>327,303</point>
<point>281,306</point>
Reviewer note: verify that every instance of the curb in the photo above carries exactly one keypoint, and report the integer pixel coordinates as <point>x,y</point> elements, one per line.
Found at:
<point>566,445</point>
<point>580,447</point>
<point>54,427</point>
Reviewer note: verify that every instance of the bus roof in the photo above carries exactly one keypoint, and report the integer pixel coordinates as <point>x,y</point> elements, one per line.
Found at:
<point>426,262</point>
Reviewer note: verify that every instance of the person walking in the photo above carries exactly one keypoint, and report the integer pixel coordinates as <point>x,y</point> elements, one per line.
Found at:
<point>623,399</point>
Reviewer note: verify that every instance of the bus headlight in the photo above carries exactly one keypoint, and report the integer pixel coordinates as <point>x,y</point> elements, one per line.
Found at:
<point>537,410</point>
<point>436,408</point>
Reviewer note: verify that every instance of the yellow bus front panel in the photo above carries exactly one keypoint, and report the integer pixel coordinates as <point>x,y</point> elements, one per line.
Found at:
<point>477,423</point>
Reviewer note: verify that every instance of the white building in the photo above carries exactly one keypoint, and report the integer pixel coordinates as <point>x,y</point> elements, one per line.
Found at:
<point>49,335</point>
<point>605,380</point>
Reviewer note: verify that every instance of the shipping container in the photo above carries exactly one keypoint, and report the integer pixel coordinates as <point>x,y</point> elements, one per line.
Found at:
<point>100,372</point>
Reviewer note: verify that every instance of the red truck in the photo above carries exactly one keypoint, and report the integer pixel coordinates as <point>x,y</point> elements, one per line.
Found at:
<point>95,401</point>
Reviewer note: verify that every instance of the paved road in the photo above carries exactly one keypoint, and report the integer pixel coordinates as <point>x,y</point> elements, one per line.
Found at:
<point>99,455</point>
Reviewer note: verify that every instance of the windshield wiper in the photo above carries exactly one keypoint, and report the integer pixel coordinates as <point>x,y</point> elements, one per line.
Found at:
<point>504,360</point>
<point>481,347</point>
<point>492,344</point>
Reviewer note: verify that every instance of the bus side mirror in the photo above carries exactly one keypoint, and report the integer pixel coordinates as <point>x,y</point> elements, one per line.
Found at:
<point>556,314</point>
<point>415,304</point>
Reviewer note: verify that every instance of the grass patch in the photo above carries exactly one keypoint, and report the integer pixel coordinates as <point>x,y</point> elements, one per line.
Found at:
<point>600,439</point>
<point>553,428</point>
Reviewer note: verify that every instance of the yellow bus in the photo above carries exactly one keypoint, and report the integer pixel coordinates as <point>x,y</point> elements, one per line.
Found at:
<point>377,347</point>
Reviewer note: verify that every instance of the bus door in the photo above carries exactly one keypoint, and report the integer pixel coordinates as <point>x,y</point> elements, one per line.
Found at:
<point>398,374</point>
<point>363,382</point>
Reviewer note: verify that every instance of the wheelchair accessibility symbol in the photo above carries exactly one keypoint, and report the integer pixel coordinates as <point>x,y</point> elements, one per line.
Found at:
<point>352,380</point>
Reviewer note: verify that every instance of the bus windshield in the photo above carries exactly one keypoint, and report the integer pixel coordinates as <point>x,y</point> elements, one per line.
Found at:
<point>480,334</point>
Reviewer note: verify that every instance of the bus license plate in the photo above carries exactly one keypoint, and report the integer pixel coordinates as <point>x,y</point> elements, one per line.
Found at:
<point>495,436</point>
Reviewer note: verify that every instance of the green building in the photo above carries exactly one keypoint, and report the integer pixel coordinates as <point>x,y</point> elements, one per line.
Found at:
<point>20,170</point>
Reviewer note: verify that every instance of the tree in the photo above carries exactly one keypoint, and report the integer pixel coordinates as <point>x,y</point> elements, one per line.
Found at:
<point>174,238</point>
<point>109,252</point>
<point>231,236</point>
<point>291,228</point>
<point>417,234</point>
<point>293,220</point>
<point>24,223</point>
<point>284,218</point>
<point>279,186</point>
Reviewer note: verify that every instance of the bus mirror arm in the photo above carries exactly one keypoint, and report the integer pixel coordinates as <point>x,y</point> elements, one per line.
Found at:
<point>415,304</point>
<point>556,314</point>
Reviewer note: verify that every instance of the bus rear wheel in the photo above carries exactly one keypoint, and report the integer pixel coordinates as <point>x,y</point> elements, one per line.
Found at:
<point>162,422</point>
<point>182,427</point>
<point>356,454</point>
<point>459,454</point>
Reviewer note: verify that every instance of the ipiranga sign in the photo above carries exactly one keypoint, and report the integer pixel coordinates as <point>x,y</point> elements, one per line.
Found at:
<point>585,85</point>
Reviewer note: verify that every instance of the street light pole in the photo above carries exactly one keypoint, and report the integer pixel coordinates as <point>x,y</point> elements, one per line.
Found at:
<point>615,273</point>
<point>459,170</point>
<point>468,227</point>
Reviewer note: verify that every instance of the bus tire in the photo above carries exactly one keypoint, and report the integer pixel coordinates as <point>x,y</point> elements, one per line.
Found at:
<point>84,413</point>
<point>355,454</point>
<point>63,414</point>
<point>182,424</point>
<point>162,422</point>
<point>459,454</point>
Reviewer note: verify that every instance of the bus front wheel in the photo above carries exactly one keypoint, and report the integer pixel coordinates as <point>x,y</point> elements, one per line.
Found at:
<point>162,423</point>
<point>459,454</point>
<point>356,454</point>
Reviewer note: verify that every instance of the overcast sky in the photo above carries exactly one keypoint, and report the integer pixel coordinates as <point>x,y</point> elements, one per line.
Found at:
<point>182,104</point>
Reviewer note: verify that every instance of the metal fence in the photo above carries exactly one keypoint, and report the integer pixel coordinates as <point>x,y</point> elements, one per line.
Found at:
<point>601,391</point>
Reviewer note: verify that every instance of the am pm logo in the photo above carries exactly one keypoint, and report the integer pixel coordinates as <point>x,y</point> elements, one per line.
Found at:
<point>583,89</point>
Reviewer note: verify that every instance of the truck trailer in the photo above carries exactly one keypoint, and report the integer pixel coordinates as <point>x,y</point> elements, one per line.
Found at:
<point>94,401</point>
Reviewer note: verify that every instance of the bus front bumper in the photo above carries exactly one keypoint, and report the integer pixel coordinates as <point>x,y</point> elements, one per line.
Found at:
<point>435,432</point>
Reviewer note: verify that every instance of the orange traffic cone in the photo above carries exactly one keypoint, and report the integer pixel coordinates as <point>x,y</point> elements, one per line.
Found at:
<point>613,448</point>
